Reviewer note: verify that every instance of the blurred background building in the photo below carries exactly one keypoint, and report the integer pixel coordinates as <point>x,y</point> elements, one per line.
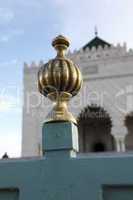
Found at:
<point>103,108</point>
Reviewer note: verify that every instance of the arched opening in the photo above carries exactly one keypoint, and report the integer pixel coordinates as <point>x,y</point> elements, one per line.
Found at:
<point>94,126</point>
<point>129,137</point>
<point>98,147</point>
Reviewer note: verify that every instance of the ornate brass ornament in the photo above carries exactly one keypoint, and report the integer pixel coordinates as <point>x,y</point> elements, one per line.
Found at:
<point>60,80</point>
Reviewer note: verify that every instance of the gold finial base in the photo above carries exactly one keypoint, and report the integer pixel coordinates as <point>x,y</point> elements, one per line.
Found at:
<point>60,111</point>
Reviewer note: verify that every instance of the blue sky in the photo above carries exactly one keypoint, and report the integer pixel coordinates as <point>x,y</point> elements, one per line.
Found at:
<point>26,31</point>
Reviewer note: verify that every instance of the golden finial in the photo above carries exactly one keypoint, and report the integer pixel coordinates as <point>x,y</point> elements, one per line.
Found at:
<point>60,80</point>
<point>61,44</point>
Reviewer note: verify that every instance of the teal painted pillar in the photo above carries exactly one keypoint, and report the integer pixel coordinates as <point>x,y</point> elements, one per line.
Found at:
<point>60,138</point>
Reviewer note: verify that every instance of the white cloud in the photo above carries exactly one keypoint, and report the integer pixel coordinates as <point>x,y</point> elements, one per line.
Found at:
<point>10,35</point>
<point>5,105</point>
<point>10,103</point>
<point>31,3</point>
<point>80,17</point>
<point>10,95</point>
<point>60,2</point>
<point>6,15</point>
<point>4,38</point>
<point>10,62</point>
<point>10,142</point>
<point>76,18</point>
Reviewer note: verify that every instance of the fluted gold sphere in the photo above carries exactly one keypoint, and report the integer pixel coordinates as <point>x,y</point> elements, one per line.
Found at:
<point>59,80</point>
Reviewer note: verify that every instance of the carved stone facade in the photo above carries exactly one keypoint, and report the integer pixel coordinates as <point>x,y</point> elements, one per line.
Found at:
<point>108,89</point>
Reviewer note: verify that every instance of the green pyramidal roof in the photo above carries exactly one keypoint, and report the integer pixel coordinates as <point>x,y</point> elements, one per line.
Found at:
<point>96,42</point>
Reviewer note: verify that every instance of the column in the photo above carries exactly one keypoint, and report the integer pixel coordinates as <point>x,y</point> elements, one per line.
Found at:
<point>119,134</point>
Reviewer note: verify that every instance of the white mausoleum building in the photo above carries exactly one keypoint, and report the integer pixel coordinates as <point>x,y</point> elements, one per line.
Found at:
<point>103,108</point>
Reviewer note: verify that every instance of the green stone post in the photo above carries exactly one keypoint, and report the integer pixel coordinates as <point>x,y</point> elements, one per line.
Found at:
<point>60,138</point>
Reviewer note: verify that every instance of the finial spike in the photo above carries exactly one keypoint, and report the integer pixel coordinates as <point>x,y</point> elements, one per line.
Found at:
<point>96,31</point>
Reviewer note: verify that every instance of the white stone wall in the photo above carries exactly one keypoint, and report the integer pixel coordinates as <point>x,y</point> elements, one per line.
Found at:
<point>108,82</point>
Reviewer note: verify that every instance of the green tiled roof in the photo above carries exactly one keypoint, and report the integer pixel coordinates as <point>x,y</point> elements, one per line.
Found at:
<point>95,43</point>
